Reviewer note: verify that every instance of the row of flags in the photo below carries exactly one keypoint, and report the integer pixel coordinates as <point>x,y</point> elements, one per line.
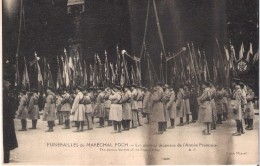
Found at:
<point>192,68</point>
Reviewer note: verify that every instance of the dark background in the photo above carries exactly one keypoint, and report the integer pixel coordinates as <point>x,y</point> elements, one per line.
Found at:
<point>107,23</point>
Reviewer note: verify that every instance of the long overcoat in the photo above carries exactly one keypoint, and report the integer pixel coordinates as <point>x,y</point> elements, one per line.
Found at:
<point>171,106</point>
<point>23,108</point>
<point>33,108</point>
<point>180,103</point>
<point>49,108</point>
<point>249,111</point>
<point>157,105</point>
<point>147,104</point>
<point>78,108</point>
<point>205,110</point>
<point>126,106</point>
<point>116,110</point>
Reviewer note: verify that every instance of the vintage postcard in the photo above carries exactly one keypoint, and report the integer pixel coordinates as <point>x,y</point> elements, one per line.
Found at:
<point>130,82</point>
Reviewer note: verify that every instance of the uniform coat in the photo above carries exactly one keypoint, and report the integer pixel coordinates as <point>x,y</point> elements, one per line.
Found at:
<point>186,105</point>
<point>157,105</point>
<point>171,106</point>
<point>165,100</point>
<point>9,136</point>
<point>66,102</point>
<point>88,106</point>
<point>99,108</point>
<point>126,106</point>
<point>116,107</point>
<point>140,97</point>
<point>180,103</point>
<point>23,108</point>
<point>33,108</point>
<point>205,110</point>
<point>249,111</point>
<point>147,105</point>
<point>78,108</point>
<point>134,102</point>
<point>49,108</point>
<point>219,101</point>
<point>235,104</point>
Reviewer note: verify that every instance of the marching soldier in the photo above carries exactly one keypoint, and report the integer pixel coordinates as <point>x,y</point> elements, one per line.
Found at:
<point>165,100</point>
<point>140,98</point>
<point>49,109</point>
<point>186,97</point>
<point>100,107</point>
<point>66,107</point>
<point>127,110</point>
<point>33,109</point>
<point>236,108</point>
<point>225,103</point>
<point>107,105</point>
<point>115,113</point>
<point>205,110</point>
<point>23,110</point>
<point>194,104</point>
<point>171,107</point>
<point>219,103</point>
<point>88,110</point>
<point>157,107</point>
<point>134,106</point>
<point>147,105</point>
<point>58,108</point>
<point>213,105</point>
<point>249,111</point>
<point>78,109</point>
<point>180,105</point>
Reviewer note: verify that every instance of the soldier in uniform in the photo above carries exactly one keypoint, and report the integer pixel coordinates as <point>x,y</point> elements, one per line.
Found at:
<point>186,97</point>
<point>219,103</point>
<point>165,100</point>
<point>140,98</point>
<point>157,107</point>
<point>107,105</point>
<point>147,105</point>
<point>205,110</point>
<point>66,107</point>
<point>213,105</point>
<point>236,108</point>
<point>100,107</point>
<point>225,103</point>
<point>115,113</point>
<point>171,107</point>
<point>134,106</point>
<point>194,104</point>
<point>249,111</point>
<point>180,105</point>
<point>49,109</point>
<point>88,109</point>
<point>33,109</point>
<point>58,107</point>
<point>23,110</point>
<point>127,110</point>
<point>78,109</point>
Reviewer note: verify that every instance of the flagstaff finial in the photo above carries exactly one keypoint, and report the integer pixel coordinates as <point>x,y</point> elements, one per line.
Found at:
<point>123,52</point>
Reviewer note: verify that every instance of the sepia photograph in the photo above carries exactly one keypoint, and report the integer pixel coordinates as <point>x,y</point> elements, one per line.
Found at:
<point>130,82</point>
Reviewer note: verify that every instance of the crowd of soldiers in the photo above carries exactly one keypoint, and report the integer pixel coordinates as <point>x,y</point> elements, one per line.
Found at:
<point>125,107</point>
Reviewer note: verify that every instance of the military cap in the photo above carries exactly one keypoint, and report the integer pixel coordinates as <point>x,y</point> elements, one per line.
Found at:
<point>35,90</point>
<point>79,87</point>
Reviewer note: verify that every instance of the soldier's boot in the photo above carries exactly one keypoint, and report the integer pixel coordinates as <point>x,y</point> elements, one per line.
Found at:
<point>50,124</point>
<point>251,121</point>
<point>242,127</point>
<point>138,119</point>
<point>208,129</point>
<point>246,121</point>
<point>238,133</point>
<point>181,122</point>
<point>115,125</point>
<point>128,124</point>
<point>172,124</point>
<point>23,123</point>
<point>34,124</point>
<point>164,126</point>
<point>119,127</point>
<point>160,130</point>
<point>124,124</point>
<point>224,116</point>
<point>219,121</point>
<point>109,123</point>
<point>92,119</point>
<point>187,118</point>
<point>82,126</point>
